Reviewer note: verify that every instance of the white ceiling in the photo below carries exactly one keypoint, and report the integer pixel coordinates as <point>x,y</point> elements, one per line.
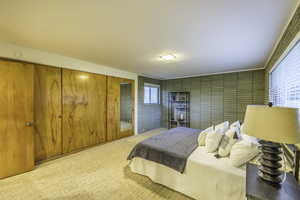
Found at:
<point>207,36</point>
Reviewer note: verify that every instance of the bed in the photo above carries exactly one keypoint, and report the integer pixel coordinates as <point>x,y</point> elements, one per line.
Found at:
<point>203,176</point>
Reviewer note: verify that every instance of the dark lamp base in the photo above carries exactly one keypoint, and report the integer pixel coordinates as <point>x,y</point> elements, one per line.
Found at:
<point>269,170</point>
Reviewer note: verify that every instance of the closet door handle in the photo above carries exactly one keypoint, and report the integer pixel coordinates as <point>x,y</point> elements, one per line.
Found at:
<point>29,124</point>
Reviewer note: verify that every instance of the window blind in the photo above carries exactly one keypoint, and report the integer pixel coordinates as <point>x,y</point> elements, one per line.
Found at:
<point>151,93</point>
<point>285,80</point>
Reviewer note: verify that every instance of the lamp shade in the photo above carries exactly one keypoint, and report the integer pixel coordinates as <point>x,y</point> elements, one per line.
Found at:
<point>275,124</point>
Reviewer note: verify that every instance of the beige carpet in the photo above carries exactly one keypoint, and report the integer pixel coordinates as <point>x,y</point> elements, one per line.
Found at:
<point>97,173</point>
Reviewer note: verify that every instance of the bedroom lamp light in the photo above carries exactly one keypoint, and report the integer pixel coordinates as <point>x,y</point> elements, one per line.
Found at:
<point>273,126</point>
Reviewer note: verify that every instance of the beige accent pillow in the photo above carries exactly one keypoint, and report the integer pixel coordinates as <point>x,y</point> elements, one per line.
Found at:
<point>223,127</point>
<point>229,139</point>
<point>242,152</point>
<point>235,125</point>
<point>203,134</point>
<point>249,139</point>
<point>212,140</point>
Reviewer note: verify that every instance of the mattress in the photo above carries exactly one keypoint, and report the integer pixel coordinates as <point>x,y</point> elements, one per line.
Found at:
<point>205,177</point>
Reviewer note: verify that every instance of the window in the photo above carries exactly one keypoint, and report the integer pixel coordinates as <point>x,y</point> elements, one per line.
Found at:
<point>151,93</point>
<point>285,80</point>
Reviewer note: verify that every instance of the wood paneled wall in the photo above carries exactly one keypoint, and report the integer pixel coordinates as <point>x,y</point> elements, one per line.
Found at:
<point>217,98</point>
<point>48,112</point>
<point>67,111</point>
<point>113,108</point>
<point>16,110</point>
<point>84,109</point>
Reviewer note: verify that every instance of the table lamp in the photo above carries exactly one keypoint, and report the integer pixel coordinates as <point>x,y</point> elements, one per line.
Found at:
<point>273,126</point>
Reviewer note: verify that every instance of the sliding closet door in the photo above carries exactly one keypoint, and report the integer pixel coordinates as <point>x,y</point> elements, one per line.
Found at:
<point>113,108</point>
<point>120,108</point>
<point>48,112</point>
<point>84,109</point>
<point>16,118</point>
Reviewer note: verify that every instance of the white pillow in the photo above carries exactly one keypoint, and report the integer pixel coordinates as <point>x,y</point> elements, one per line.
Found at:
<point>249,139</point>
<point>212,140</point>
<point>223,127</point>
<point>203,134</point>
<point>229,139</point>
<point>242,152</point>
<point>236,125</point>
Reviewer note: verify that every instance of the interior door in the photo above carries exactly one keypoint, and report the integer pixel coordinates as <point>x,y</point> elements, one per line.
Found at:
<point>113,108</point>
<point>84,109</point>
<point>47,112</point>
<point>16,118</point>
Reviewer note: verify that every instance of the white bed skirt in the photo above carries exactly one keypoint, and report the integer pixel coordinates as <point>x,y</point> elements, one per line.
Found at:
<point>204,178</point>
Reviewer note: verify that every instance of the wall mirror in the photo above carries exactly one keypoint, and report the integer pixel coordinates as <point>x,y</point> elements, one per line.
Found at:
<point>126,107</point>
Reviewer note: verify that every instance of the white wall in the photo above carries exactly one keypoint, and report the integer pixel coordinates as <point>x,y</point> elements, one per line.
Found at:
<point>40,57</point>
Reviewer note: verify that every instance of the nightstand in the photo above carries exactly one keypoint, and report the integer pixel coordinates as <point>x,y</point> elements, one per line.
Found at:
<point>256,189</point>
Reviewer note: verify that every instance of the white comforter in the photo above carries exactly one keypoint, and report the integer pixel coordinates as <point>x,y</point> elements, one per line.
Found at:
<point>204,178</point>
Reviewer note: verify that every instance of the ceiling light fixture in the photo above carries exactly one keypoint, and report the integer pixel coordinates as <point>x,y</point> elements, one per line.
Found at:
<point>167,57</point>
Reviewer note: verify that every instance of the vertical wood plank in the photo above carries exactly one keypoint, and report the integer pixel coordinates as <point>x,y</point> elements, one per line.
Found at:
<point>217,99</point>
<point>205,102</point>
<point>47,112</point>
<point>113,108</point>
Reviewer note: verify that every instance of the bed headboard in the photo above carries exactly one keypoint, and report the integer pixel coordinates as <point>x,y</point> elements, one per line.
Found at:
<point>292,154</point>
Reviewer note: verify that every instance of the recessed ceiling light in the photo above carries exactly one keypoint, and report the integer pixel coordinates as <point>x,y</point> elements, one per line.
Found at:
<point>167,57</point>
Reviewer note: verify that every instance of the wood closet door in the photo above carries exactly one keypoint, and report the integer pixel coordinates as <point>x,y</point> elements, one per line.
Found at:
<point>84,109</point>
<point>113,108</point>
<point>16,118</point>
<point>48,112</point>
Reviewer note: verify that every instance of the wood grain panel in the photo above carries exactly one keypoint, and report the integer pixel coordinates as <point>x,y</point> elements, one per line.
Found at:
<point>16,108</point>
<point>47,112</point>
<point>113,108</point>
<point>84,109</point>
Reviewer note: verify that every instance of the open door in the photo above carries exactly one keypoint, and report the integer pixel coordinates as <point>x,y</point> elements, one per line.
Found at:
<point>16,118</point>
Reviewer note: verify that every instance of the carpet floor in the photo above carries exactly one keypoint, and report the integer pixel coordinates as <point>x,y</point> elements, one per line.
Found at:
<point>97,173</point>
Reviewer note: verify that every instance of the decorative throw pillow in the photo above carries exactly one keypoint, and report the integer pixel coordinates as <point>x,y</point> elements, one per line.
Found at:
<point>242,152</point>
<point>229,139</point>
<point>203,134</point>
<point>223,127</point>
<point>212,140</point>
<point>249,139</point>
<point>236,125</point>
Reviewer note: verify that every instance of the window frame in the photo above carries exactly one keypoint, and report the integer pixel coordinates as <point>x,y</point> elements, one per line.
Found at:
<point>150,85</point>
<point>291,46</point>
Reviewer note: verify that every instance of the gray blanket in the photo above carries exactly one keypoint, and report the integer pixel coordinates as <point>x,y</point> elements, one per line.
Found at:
<point>171,148</point>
